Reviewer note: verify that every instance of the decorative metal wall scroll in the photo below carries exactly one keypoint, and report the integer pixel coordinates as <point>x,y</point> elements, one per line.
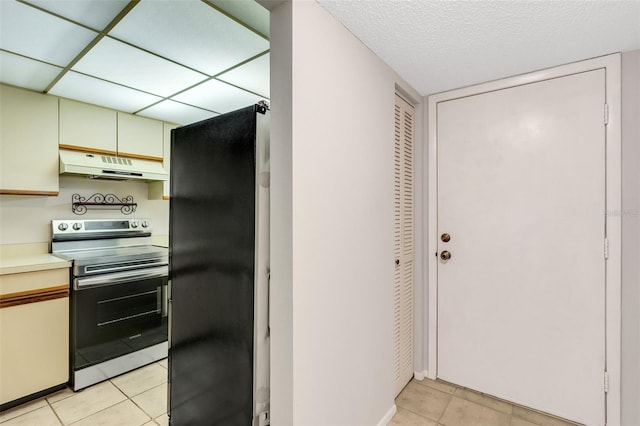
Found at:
<point>80,204</point>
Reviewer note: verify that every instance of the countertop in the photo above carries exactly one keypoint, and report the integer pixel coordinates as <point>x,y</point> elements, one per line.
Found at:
<point>17,258</point>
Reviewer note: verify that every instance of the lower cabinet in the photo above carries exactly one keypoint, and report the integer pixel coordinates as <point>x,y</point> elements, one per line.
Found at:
<point>34,334</point>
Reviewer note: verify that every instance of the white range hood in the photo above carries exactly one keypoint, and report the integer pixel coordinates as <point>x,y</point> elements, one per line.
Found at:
<point>101,166</point>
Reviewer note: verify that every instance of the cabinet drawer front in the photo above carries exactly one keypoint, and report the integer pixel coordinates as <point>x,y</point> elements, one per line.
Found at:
<point>30,281</point>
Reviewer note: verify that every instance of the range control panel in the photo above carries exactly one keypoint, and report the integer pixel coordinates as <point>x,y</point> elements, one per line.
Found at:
<point>102,226</point>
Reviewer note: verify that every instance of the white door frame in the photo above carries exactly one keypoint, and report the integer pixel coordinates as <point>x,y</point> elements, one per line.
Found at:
<point>611,64</point>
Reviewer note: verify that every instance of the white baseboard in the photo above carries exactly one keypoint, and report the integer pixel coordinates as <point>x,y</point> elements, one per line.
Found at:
<point>387,417</point>
<point>420,375</point>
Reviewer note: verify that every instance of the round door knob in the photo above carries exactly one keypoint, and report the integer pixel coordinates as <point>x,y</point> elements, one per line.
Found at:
<point>77,226</point>
<point>445,237</point>
<point>445,255</point>
<point>63,226</point>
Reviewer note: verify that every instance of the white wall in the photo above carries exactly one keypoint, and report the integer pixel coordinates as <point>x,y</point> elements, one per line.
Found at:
<point>27,219</point>
<point>281,284</point>
<point>631,238</point>
<point>339,170</point>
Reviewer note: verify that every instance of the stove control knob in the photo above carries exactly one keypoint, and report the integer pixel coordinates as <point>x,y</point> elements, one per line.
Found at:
<point>63,227</point>
<point>134,223</point>
<point>77,226</point>
<point>145,224</point>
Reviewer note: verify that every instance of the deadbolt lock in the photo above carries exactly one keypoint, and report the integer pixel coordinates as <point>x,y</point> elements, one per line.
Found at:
<point>445,255</point>
<point>445,237</point>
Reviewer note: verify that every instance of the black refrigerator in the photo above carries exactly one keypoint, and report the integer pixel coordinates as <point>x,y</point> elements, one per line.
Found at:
<point>219,271</point>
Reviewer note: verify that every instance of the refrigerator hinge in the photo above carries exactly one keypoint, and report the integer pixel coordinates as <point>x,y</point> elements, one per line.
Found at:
<point>606,382</point>
<point>606,248</point>
<point>264,419</point>
<point>262,107</point>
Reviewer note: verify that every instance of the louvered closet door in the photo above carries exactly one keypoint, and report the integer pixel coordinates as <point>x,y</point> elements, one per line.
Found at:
<point>403,245</point>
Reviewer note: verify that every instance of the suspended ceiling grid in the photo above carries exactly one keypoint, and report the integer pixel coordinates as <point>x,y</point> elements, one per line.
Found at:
<point>178,61</point>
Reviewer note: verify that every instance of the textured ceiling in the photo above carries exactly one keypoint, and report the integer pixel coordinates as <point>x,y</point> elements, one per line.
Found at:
<point>442,45</point>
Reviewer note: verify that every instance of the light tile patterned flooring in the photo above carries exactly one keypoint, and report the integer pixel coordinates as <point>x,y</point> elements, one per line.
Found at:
<point>433,403</point>
<point>139,398</point>
<point>132,399</point>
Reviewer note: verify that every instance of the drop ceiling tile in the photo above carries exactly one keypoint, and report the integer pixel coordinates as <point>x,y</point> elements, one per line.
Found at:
<point>217,96</point>
<point>24,72</point>
<point>120,63</point>
<point>39,35</point>
<point>248,11</point>
<point>95,13</point>
<point>253,76</point>
<point>176,112</point>
<point>191,33</point>
<point>94,91</point>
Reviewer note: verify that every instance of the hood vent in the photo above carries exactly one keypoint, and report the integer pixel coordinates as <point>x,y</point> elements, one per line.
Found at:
<point>99,166</point>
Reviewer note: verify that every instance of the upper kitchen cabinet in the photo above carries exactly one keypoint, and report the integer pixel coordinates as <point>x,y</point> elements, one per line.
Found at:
<point>28,142</point>
<point>160,190</point>
<point>85,127</point>
<point>140,137</point>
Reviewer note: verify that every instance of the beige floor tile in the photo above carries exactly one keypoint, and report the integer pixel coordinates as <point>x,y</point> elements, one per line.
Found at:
<point>88,402</point>
<point>141,380</point>
<point>423,400</point>
<point>163,420</point>
<point>437,384</point>
<point>43,416</point>
<point>517,421</point>
<point>407,418</point>
<point>153,401</point>
<point>485,400</point>
<point>125,413</point>
<point>22,409</point>
<point>151,423</point>
<point>164,363</point>
<point>539,418</point>
<point>60,395</point>
<point>461,412</point>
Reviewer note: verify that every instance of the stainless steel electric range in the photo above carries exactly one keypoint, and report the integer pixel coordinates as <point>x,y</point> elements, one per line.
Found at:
<point>118,309</point>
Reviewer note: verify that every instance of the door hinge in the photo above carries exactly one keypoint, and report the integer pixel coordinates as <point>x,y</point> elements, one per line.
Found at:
<point>606,382</point>
<point>606,114</point>
<point>606,248</point>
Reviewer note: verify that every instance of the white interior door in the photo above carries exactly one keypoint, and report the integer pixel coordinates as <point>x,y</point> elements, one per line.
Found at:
<point>521,192</point>
<point>403,245</point>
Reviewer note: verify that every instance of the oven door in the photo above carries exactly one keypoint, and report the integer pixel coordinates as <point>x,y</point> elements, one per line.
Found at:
<point>119,313</point>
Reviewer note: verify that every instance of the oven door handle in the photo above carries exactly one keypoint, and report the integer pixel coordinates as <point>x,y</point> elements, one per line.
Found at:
<point>120,277</point>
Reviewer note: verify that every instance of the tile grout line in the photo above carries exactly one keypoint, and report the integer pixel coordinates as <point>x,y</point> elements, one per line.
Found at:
<point>445,408</point>
<point>54,411</point>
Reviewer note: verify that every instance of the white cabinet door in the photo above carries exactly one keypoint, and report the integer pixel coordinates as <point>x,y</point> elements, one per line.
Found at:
<point>85,127</point>
<point>34,332</point>
<point>521,192</point>
<point>28,142</point>
<point>140,137</point>
<point>160,190</point>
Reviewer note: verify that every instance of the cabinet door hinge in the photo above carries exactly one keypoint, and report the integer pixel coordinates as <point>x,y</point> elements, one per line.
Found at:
<point>606,382</point>
<point>606,114</point>
<point>606,248</point>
